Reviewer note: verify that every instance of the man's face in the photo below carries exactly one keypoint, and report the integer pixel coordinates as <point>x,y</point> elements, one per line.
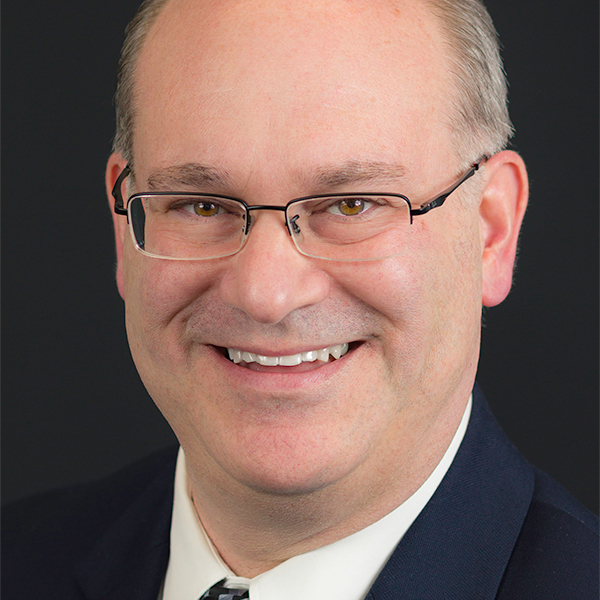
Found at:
<point>281,102</point>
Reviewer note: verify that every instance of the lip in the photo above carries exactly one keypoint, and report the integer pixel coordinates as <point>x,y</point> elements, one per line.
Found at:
<point>281,378</point>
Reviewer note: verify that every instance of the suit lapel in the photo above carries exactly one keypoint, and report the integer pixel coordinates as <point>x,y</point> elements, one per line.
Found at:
<point>458,547</point>
<point>130,559</point>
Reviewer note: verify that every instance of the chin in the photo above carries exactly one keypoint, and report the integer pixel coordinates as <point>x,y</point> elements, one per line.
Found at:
<point>285,468</point>
<point>286,483</point>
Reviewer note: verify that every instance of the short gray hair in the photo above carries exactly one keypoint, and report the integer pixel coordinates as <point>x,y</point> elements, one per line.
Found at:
<point>135,36</point>
<point>477,111</point>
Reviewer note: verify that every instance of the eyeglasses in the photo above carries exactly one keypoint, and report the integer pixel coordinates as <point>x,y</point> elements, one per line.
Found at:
<point>340,227</point>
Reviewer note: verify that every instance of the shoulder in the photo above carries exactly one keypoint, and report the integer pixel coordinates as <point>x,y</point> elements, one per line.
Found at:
<point>48,535</point>
<point>557,551</point>
<point>93,505</point>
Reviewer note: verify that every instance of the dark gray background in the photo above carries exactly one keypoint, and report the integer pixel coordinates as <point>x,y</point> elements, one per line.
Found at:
<point>74,408</point>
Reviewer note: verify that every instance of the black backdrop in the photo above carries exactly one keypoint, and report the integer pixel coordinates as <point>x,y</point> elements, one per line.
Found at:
<point>74,408</point>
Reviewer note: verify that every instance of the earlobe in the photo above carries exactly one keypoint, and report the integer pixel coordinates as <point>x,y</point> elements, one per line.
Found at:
<point>115,166</point>
<point>502,206</point>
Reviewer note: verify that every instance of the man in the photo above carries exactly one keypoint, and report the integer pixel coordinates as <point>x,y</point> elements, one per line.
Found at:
<point>312,202</point>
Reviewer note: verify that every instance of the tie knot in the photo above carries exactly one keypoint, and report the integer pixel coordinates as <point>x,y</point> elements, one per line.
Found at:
<point>220,592</point>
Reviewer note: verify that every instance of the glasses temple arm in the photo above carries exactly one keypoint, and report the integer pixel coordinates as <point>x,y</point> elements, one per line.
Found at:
<point>119,207</point>
<point>439,200</point>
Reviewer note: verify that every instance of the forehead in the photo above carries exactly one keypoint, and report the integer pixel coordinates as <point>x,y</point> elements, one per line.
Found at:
<point>270,76</point>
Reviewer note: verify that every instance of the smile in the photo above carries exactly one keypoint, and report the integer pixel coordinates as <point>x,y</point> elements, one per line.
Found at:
<point>290,360</point>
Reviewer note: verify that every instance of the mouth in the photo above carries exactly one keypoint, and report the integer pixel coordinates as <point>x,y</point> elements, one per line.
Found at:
<point>324,355</point>
<point>253,366</point>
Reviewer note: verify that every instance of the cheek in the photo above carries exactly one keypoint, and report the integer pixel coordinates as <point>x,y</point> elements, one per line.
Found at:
<point>429,300</point>
<point>452,300</point>
<point>399,295</point>
<point>159,298</point>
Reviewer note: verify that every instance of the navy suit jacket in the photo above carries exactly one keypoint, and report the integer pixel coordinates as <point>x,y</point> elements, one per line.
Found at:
<point>496,527</point>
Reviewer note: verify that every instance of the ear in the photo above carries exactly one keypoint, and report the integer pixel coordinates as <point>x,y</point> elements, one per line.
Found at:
<point>501,210</point>
<point>115,166</point>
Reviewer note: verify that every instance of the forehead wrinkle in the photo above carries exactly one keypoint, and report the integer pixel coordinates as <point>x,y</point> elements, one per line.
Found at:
<point>188,175</point>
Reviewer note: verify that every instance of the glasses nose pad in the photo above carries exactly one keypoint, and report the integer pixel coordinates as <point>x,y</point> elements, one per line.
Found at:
<point>294,225</point>
<point>247,224</point>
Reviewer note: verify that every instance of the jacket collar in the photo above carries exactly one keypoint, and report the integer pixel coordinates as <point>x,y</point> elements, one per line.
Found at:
<point>460,544</point>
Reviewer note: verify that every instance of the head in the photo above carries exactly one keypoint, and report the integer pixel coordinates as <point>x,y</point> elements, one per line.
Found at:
<point>278,100</point>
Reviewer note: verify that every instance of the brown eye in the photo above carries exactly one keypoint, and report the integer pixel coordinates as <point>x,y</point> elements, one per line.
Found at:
<point>206,209</point>
<point>352,206</point>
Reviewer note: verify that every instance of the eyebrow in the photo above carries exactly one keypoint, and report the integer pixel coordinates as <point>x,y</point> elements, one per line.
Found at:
<point>356,171</point>
<point>187,175</point>
<point>326,178</point>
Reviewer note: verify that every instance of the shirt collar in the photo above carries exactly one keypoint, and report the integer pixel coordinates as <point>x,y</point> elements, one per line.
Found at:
<point>345,569</point>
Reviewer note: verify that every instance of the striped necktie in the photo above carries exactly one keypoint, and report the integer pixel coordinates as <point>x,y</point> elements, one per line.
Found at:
<point>219,592</point>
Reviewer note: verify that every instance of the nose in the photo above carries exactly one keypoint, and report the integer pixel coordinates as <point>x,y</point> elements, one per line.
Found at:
<point>268,279</point>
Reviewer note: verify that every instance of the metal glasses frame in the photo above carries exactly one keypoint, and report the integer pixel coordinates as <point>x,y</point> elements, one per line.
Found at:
<point>120,206</point>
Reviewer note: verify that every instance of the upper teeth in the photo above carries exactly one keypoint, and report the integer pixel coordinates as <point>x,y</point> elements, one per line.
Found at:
<point>337,351</point>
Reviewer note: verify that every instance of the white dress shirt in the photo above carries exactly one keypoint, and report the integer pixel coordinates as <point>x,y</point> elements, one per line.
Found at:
<point>345,569</point>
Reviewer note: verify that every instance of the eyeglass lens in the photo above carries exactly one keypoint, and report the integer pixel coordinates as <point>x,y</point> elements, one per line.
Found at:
<point>357,227</point>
